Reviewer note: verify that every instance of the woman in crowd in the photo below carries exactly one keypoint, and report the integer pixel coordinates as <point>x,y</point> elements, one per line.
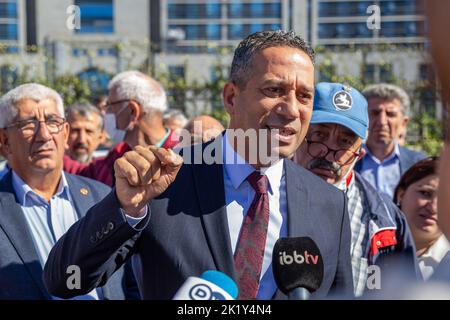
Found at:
<point>416,195</point>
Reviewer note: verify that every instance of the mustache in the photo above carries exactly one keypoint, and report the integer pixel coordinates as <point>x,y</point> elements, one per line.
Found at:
<point>81,145</point>
<point>325,164</point>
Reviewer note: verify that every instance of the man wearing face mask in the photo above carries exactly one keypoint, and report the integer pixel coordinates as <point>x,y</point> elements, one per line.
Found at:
<point>331,149</point>
<point>134,116</point>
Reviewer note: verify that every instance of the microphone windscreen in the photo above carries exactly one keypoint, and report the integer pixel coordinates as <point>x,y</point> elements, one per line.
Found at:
<point>297,262</point>
<point>221,280</point>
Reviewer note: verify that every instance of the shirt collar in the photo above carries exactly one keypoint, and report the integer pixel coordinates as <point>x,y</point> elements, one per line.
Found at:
<point>394,154</point>
<point>438,250</point>
<point>22,189</point>
<point>237,169</point>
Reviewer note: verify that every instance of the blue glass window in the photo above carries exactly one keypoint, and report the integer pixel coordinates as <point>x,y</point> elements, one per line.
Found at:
<point>97,16</point>
<point>194,11</point>
<point>8,9</point>
<point>8,31</point>
<point>406,7</point>
<point>344,9</point>
<point>254,10</point>
<point>97,80</point>
<point>344,30</point>
<point>240,31</point>
<point>200,32</point>
<point>402,29</point>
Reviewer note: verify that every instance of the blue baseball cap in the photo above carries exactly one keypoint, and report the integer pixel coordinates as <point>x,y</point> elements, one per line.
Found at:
<point>341,104</point>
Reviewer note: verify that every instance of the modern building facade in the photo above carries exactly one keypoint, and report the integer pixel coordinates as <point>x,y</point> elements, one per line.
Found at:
<point>185,36</point>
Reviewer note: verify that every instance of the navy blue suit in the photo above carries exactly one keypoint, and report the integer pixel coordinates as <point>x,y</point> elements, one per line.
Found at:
<point>20,268</point>
<point>187,233</point>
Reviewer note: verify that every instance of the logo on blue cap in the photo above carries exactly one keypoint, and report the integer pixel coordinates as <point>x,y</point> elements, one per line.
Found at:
<point>342,100</point>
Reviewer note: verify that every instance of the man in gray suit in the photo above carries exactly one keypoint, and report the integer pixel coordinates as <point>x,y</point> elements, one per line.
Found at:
<point>226,214</point>
<point>38,202</point>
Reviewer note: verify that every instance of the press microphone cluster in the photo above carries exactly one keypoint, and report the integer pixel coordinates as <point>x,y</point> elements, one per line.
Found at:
<point>212,285</point>
<point>297,267</point>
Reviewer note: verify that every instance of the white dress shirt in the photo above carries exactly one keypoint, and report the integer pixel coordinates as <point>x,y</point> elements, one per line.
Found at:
<point>433,256</point>
<point>239,196</point>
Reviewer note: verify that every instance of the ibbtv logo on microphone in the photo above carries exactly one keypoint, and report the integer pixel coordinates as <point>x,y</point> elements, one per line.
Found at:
<point>287,259</point>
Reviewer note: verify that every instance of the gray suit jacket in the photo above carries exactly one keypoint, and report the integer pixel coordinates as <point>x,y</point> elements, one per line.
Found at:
<point>20,268</point>
<point>187,233</point>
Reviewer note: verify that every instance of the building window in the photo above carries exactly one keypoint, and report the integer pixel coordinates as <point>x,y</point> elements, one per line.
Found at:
<point>8,78</point>
<point>176,72</point>
<point>254,10</point>
<point>344,9</point>
<point>344,30</point>
<point>374,73</point>
<point>97,16</point>
<point>8,31</point>
<point>8,9</point>
<point>96,80</point>
<point>195,11</point>
<point>200,32</point>
<point>403,29</point>
<point>240,31</point>
<point>8,27</point>
<point>406,7</point>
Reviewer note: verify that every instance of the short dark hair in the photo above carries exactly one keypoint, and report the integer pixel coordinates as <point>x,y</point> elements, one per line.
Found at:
<point>258,41</point>
<point>418,171</point>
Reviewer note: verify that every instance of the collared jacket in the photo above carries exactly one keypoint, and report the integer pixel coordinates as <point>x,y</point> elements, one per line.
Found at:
<point>391,244</point>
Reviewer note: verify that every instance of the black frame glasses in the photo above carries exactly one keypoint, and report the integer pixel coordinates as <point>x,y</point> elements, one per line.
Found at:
<point>317,149</point>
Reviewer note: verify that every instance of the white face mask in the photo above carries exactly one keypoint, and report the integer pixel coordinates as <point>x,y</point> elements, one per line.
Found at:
<point>116,135</point>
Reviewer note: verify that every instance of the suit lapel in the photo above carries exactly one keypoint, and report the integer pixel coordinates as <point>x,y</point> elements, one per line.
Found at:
<point>297,207</point>
<point>297,201</point>
<point>81,196</point>
<point>13,222</point>
<point>209,184</point>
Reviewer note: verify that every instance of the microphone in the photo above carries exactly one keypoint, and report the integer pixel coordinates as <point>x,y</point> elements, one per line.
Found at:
<point>297,267</point>
<point>212,285</point>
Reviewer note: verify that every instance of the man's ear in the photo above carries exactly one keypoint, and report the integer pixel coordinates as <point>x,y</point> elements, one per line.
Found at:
<point>405,121</point>
<point>66,131</point>
<point>136,112</point>
<point>229,93</point>
<point>362,153</point>
<point>4,142</point>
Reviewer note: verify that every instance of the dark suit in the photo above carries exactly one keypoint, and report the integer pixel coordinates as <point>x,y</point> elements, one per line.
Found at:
<point>187,234</point>
<point>20,268</point>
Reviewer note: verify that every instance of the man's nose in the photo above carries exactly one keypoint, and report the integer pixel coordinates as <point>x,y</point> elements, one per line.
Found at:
<point>290,107</point>
<point>42,133</point>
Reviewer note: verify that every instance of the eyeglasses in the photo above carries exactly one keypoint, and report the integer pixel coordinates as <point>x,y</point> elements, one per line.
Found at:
<point>320,150</point>
<point>31,126</point>
<point>109,104</point>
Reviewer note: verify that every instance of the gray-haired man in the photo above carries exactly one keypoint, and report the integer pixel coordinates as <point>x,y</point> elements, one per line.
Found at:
<point>385,160</point>
<point>86,131</point>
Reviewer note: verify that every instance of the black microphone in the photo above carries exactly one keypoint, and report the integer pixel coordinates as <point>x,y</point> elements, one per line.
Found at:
<point>297,267</point>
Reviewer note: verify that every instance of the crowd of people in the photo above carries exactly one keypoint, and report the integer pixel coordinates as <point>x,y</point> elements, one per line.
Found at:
<point>138,222</point>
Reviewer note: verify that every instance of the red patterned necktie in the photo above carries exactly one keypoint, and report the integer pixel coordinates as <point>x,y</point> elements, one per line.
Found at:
<point>249,254</point>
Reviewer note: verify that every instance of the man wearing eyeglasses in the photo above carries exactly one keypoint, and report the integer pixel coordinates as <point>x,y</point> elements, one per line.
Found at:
<point>331,149</point>
<point>38,202</point>
<point>134,117</point>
